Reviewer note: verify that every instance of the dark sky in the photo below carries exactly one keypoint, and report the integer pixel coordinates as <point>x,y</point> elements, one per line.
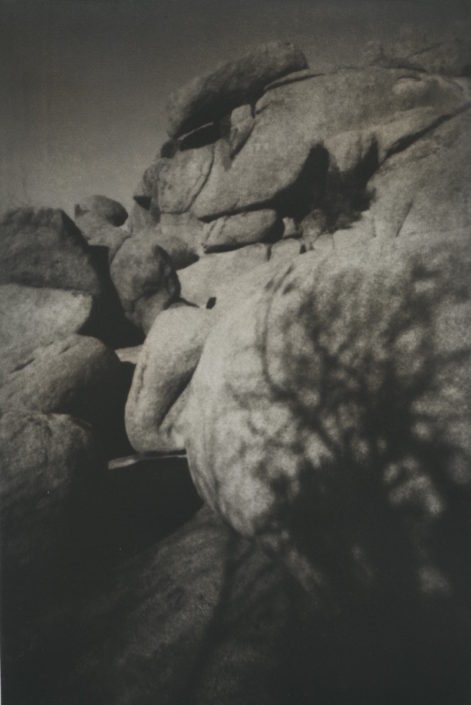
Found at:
<point>84,82</point>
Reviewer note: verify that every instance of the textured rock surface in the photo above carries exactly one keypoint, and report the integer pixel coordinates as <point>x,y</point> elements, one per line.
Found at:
<point>234,231</point>
<point>100,233</point>
<point>144,278</point>
<point>103,208</point>
<point>43,247</point>
<point>169,356</point>
<point>200,281</point>
<point>78,376</point>
<point>43,458</point>
<point>30,317</point>
<point>180,236</point>
<point>208,98</point>
<point>182,178</point>
<point>330,122</point>
<point>342,390</point>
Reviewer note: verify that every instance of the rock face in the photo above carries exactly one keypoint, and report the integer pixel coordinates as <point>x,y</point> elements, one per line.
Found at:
<point>200,282</point>
<point>43,248</point>
<point>100,233</point>
<point>306,127</point>
<point>78,376</point>
<point>182,178</point>
<point>144,278</point>
<point>328,418</point>
<point>44,458</point>
<point>165,365</point>
<point>31,317</point>
<point>104,208</point>
<point>210,97</point>
<point>246,228</point>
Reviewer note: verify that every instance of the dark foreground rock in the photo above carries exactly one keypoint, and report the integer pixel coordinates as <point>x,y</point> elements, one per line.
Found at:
<point>206,618</point>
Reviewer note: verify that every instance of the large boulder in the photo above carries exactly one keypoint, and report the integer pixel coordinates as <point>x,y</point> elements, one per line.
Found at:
<point>144,277</point>
<point>329,418</point>
<point>336,126</point>
<point>77,375</point>
<point>168,358</point>
<point>42,247</point>
<point>104,208</point>
<point>207,98</point>
<point>30,317</point>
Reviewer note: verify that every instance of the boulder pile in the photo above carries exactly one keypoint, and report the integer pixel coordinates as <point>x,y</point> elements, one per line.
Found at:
<point>288,303</point>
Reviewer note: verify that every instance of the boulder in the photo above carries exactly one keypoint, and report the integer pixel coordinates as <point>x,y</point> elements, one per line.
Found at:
<point>337,125</point>
<point>180,235</point>
<point>182,178</point>
<point>31,317</point>
<point>77,375</point>
<point>129,355</point>
<point>142,218</point>
<point>200,281</point>
<point>207,98</point>
<point>103,208</point>
<point>98,232</point>
<point>230,232</point>
<point>169,356</point>
<point>329,418</point>
<point>144,278</point>
<point>44,459</point>
<point>42,247</point>
<point>146,190</point>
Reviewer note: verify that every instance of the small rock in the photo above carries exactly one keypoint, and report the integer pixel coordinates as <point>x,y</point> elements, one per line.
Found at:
<point>290,228</point>
<point>207,98</point>
<point>242,123</point>
<point>103,208</point>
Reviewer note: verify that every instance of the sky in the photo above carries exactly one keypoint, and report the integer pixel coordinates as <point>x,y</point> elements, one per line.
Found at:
<point>84,83</point>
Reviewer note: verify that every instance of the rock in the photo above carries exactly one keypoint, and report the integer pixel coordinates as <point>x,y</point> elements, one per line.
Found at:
<point>286,249</point>
<point>78,376</point>
<point>182,178</point>
<point>44,458</point>
<point>144,278</point>
<point>180,236</point>
<point>342,389</point>
<point>338,124</point>
<point>242,123</point>
<point>167,361</point>
<point>31,317</point>
<point>142,218</point>
<point>290,228</point>
<point>103,208</point>
<point>200,281</point>
<point>230,232</point>
<point>100,233</point>
<point>130,355</point>
<point>146,190</point>
<point>208,98</point>
<point>42,247</point>
<point>424,188</point>
<point>449,54</point>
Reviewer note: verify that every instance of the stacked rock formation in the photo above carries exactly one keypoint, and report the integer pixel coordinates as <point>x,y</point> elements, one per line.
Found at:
<point>296,267</point>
